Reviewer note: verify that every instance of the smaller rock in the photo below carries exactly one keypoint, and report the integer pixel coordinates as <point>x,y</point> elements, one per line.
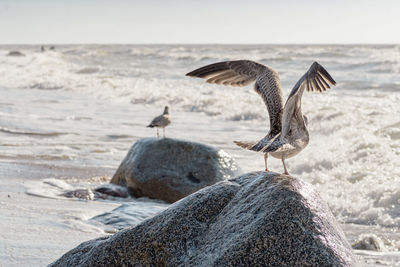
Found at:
<point>15,54</point>
<point>105,191</point>
<point>369,242</point>
<point>130,214</point>
<point>112,190</point>
<point>171,169</point>
<point>86,194</point>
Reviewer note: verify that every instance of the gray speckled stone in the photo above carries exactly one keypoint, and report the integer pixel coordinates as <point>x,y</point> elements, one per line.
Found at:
<point>15,54</point>
<point>170,169</point>
<point>257,219</point>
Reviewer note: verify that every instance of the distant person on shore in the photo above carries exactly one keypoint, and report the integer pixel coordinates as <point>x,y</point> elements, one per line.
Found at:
<point>43,48</point>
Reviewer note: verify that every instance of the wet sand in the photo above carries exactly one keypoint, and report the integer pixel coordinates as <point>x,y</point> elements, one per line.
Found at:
<point>35,231</point>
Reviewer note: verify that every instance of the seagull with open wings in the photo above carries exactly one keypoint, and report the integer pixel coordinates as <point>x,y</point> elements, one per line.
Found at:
<point>288,133</point>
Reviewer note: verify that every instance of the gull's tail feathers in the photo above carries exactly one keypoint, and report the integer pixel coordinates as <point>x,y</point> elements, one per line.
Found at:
<point>262,146</point>
<point>245,145</point>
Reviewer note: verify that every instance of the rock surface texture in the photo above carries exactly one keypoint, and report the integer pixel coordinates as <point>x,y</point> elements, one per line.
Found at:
<point>257,219</point>
<point>171,169</point>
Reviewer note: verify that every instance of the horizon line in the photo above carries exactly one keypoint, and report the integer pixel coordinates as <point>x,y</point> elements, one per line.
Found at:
<point>184,43</point>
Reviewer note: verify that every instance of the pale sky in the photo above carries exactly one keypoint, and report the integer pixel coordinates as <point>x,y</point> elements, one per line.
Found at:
<point>201,21</point>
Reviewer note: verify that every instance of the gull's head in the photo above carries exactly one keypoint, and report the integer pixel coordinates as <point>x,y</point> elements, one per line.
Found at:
<point>166,110</point>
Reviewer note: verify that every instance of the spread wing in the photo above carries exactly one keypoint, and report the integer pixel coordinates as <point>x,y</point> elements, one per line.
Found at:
<point>315,79</point>
<point>242,73</point>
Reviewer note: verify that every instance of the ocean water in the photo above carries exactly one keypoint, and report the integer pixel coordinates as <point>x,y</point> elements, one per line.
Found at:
<point>84,105</point>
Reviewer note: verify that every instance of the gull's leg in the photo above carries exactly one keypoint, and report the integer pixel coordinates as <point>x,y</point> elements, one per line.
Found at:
<point>163,131</point>
<point>158,134</point>
<point>284,166</point>
<point>266,159</point>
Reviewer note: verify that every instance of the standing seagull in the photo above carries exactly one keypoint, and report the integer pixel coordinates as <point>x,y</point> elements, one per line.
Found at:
<point>288,133</point>
<point>161,121</point>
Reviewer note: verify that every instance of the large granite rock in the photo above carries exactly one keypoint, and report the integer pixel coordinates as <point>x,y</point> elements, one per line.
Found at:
<point>257,219</point>
<point>170,169</point>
